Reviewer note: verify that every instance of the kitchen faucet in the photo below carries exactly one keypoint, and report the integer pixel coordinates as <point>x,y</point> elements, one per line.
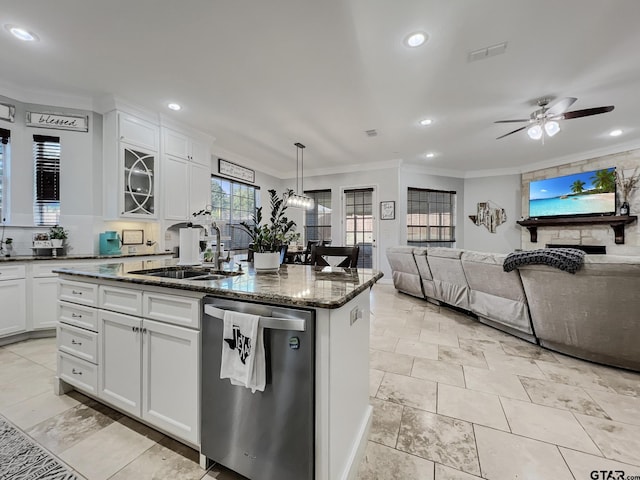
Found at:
<point>217,259</point>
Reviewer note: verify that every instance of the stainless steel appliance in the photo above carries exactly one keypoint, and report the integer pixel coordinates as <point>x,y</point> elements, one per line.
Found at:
<point>264,435</point>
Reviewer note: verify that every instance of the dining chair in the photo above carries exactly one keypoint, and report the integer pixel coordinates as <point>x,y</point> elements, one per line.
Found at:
<point>321,256</point>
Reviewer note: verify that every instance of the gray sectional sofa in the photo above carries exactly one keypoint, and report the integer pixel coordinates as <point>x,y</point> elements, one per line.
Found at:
<point>593,314</point>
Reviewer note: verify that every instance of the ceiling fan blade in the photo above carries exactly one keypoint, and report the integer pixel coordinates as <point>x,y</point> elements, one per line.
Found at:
<point>586,112</point>
<point>513,121</point>
<point>561,106</point>
<point>515,131</point>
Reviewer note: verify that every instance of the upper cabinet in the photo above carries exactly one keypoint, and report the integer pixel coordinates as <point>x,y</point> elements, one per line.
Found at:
<point>180,145</point>
<point>130,164</point>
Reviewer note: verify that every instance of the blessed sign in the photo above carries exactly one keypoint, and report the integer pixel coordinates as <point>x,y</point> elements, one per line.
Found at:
<point>78,123</point>
<point>236,171</point>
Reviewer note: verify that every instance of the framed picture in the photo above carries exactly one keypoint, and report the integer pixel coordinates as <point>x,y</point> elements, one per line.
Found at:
<point>78,123</point>
<point>132,237</point>
<point>388,210</point>
<point>236,171</point>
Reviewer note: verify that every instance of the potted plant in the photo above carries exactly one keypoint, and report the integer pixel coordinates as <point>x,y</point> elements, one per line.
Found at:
<point>626,186</point>
<point>57,235</point>
<point>269,237</point>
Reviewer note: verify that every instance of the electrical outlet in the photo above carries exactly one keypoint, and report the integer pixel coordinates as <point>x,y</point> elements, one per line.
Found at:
<point>133,250</point>
<point>355,314</point>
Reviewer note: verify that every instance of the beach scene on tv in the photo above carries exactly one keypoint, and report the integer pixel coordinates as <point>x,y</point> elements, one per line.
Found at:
<point>578,194</point>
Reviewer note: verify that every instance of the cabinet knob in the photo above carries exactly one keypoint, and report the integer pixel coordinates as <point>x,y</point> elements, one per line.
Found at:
<point>73,342</point>
<point>75,292</point>
<point>75,315</point>
<point>144,330</point>
<point>76,372</point>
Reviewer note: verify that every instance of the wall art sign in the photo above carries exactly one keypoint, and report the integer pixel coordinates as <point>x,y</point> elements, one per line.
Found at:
<point>236,171</point>
<point>7,112</point>
<point>388,210</point>
<point>132,237</point>
<point>490,215</point>
<point>78,123</point>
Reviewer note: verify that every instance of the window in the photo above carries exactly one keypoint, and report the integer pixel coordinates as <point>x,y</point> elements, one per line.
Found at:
<point>317,221</point>
<point>430,217</point>
<point>232,202</point>
<point>4,141</point>
<point>359,223</point>
<point>46,155</point>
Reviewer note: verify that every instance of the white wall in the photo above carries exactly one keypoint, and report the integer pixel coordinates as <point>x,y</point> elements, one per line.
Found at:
<point>503,191</point>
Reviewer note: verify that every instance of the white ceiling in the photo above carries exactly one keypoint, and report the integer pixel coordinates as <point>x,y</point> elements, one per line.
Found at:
<point>260,75</point>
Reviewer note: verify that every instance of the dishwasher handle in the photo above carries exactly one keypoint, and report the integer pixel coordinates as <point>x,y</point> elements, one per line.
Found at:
<point>274,323</point>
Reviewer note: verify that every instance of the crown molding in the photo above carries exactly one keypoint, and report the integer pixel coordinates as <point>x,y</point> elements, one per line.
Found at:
<point>45,97</point>
<point>219,152</point>
<point>360,167</point>
<point>427,170</point>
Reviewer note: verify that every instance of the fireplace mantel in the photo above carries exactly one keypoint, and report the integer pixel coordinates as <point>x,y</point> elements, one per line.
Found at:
<point>617,222</point>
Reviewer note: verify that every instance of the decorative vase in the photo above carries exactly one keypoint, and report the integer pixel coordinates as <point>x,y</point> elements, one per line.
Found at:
<point>624,208</point>
<point>266,262</point>
<point>56,242</point>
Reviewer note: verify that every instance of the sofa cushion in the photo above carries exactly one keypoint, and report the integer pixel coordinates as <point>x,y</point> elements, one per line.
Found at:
<point>420,256</point>
<point>450,283</point>
<point>404,270</point>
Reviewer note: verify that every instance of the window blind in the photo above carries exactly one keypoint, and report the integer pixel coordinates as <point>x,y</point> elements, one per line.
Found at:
<point>46,156</point>
<point>318,219</point>
<point>431,217</point>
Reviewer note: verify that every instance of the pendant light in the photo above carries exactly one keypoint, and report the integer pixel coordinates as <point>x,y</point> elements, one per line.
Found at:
<point>298,198</point>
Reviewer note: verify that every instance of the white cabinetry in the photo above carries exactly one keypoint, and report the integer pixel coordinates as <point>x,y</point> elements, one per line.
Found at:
<point>130,158</point>
<point>44,297</point>
<point>187,173</point>
<point>13,299</point>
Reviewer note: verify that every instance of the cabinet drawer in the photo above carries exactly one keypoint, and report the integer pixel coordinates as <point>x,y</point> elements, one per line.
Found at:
<point>83,317</point>
<point>172,309</point>
<point>11,272</point>
<point>78,292</point>
<point>78,342</point>
<point>138,131</point>
<point>120,300</point>
<point>79,373</point>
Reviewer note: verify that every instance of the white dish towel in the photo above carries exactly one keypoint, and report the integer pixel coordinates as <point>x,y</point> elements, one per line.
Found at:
<point>243,361</point>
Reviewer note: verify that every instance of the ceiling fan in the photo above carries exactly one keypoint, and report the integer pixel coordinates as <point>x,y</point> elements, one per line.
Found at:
<point>545,119</point>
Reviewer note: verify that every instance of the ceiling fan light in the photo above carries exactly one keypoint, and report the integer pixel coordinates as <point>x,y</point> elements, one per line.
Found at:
<point>551,128</point>
<point>535,132</point>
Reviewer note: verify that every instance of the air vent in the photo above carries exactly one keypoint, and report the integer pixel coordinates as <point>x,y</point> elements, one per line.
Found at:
<point>487,52</point>
<point>371,133</point>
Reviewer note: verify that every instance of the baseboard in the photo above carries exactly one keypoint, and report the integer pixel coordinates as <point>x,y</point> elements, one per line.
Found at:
<point>357,454</point>
<point>19,337</point>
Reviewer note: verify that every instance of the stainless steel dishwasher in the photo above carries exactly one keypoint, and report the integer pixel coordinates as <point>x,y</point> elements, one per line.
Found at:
<point>264,435</point>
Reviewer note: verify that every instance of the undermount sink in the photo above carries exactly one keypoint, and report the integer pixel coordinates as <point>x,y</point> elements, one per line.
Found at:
<point>187,273</point>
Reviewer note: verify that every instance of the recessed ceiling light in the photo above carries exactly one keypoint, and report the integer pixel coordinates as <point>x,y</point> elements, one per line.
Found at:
<point>415,39</point>
<point>615,133</point>
<point>426,121</point>
<point>174,106</point>
<point>430,155</point>
<point>22,34</point>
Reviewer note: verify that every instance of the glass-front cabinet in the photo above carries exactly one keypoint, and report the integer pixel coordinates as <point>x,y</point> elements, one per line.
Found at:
<point>139,181</point>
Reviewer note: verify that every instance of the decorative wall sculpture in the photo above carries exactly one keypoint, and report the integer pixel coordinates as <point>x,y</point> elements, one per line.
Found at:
<point>490,215</point>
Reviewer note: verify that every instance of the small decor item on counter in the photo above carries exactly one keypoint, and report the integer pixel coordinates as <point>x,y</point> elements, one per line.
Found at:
<point>41,240</point>
<point>57,235</point>
<point>626,186</point>
<point>270,237</point>
<point>8,245</point>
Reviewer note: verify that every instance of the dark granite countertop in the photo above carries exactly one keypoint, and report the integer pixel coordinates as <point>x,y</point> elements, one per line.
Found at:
<point>86,256</point>
<point>299,285</point>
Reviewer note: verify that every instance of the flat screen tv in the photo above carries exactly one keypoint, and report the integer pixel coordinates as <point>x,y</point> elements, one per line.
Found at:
<point>585,193</point>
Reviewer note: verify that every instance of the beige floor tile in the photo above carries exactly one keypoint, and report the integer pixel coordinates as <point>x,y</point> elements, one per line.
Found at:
<point>375,379</point>
<point>416,348</point>
<point>218,472</point>
<point>167,459</point>
<point>480,344</point>
<point>582,465</point>
<point>497,382</point>
<point>403,332</point>
<point>528,350</point>
<point>621,408</point>
<point>39,380</point>
<point>16,368</point>
<point>616,440</point>
<point>381,462</point>
<point>427,323</point>
<point>521,366</point>
<point>504,456</point>
<point>36,409</point>
<point>472,357</point>
<point>32,347</point>
<point>548,425</point>
<point>447,473</point>
<point>390,362</point>
<point>441,439</point>
<point>579,376</point>
<point>385,424</point>
<point>62,431</point>
<point>470,405</point>
<point>104,453</point>
<point>559,395</point>
<point>410,391</point>
<point>437,371</point>
<point>439,338</point>
<point>383,342</point>
<point>389,321</point>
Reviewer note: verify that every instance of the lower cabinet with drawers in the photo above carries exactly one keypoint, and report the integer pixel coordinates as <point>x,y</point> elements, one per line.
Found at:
<point>136,350</point>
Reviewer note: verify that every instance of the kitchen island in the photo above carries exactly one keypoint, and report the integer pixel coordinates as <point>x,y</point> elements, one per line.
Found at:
<point>133,340</point>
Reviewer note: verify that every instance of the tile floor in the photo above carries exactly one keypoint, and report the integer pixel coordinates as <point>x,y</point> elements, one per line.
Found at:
<point>453,400</point>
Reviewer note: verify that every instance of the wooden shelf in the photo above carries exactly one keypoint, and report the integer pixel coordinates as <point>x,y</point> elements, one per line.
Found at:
<point>617,222</point>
